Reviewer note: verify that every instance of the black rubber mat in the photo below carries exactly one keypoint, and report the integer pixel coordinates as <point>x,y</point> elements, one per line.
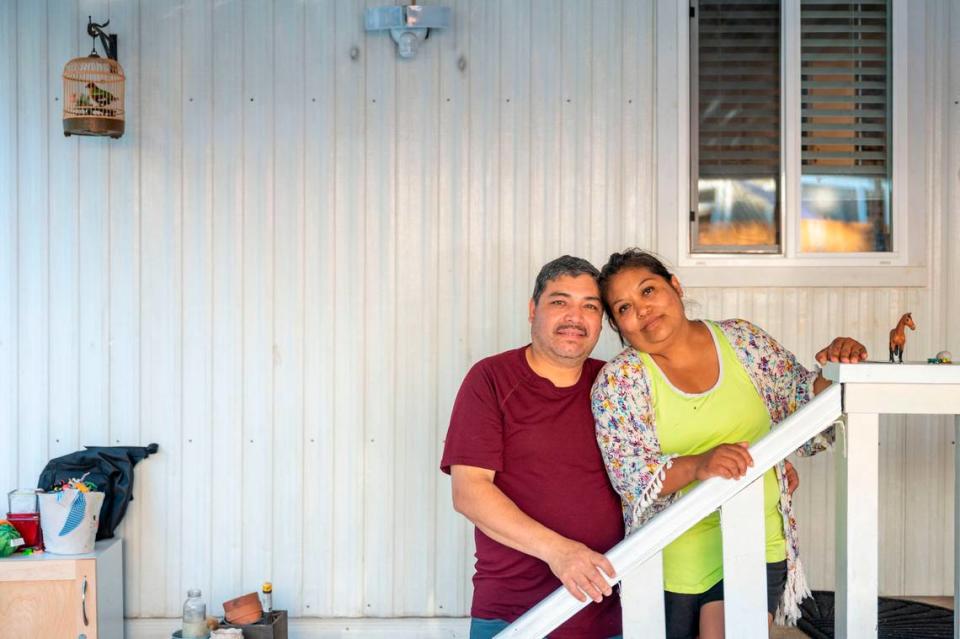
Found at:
<point>898,619</point>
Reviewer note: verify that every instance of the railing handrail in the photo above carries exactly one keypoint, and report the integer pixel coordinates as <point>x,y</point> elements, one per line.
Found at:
<point>705,498</point>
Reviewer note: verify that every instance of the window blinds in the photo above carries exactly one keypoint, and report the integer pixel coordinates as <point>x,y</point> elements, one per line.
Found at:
<point>845,72</point>
<point>737,88</point>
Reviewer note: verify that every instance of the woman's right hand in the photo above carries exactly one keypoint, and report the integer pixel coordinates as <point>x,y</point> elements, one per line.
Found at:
<point>730,461</point>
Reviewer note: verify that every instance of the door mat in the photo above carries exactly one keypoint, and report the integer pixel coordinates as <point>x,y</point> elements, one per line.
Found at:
<point>898,619</point>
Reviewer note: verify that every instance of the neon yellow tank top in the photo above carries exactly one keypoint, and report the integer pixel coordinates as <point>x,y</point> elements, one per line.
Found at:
<point>689,424</point>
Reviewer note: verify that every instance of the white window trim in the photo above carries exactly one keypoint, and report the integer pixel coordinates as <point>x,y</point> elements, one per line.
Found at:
<point>905,266</point>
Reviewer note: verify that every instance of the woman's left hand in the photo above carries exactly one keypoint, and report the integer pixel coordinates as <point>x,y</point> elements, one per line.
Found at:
<point>793,478</point>
<point>843,349</point>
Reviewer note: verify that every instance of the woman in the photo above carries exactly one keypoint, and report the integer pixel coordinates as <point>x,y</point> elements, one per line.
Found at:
<point>680,405</point>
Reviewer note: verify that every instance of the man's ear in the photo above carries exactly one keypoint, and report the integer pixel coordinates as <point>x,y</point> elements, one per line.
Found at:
<point>531,307</point>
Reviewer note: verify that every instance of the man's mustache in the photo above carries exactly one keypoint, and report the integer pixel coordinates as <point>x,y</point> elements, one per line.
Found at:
<point>578,327</point>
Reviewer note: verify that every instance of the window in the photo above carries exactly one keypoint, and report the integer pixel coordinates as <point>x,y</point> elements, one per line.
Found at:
<point>845,128</point>
<point>840,80</point>
<point>735,127</point>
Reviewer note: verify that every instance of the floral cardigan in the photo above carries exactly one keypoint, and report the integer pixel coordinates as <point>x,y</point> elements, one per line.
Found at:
<point>627,434</point>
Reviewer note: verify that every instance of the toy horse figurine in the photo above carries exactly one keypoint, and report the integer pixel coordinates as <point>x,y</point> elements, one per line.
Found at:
<point>898,338</point>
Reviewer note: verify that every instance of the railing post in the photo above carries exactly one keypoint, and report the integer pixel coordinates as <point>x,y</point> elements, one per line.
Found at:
<point>857,460</point>
<point>744,564</point>
<point>641,597</point>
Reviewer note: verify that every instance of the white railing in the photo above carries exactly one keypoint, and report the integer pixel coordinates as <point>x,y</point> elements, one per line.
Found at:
<point>638,560</point>
<point>866,391</point>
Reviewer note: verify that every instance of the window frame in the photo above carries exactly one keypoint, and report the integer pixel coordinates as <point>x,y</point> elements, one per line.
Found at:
<point>904,266</point>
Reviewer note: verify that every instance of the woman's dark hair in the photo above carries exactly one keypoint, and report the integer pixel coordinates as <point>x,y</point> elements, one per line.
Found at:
<point>629,258</point>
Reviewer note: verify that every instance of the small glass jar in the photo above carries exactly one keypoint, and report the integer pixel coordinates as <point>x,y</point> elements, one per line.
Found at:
<point>194,616</point>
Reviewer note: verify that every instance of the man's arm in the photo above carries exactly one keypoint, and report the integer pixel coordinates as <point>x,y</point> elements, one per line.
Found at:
<point>476,497</point>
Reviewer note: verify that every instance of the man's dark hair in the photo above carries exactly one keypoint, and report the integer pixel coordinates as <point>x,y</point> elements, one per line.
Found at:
<point>629,258</point>
<point>564,265</point>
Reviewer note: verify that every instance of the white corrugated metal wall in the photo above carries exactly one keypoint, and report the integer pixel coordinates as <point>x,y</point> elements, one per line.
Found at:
<point>283,269</point>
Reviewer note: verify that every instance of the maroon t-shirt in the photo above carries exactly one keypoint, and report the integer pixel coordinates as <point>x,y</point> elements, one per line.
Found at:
<point>540,441</point>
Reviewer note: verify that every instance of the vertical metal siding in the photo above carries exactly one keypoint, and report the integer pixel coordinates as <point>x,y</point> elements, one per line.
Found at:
<point>450,584</point>
<point>323,53</point>
<point>63,189</point>
<point>162,380</point>
<point>286,513</point>
<point>33,233</point>
<point>9,272</point>
<point>198,279</point>
<point>284,268</point>
<point>227,235</point>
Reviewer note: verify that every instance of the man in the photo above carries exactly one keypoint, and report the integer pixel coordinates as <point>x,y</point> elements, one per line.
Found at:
<point>526,469</point>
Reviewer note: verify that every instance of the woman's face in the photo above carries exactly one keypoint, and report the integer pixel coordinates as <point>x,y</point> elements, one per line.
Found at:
<point>646,308</point>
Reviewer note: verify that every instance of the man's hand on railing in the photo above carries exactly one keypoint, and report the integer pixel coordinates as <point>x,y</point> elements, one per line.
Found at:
<point>480,500</point>
<point>579,568</point>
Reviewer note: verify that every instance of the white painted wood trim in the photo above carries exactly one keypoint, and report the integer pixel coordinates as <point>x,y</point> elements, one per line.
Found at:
<point>888,399</point>
<point>856,528</point>
<point>790,127</point>
<point>744,564</point>
<point>641,597</point>
<point>636,549</point>
<point>908,237</point>
<point>773,270</point>
<point>885,373</point>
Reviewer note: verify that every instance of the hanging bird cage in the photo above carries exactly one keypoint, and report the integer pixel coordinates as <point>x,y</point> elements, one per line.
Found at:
<point>93,91</point>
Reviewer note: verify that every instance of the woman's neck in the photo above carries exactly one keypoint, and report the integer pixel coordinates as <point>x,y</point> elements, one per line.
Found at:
<point>691,362</point>
<point>685,346</point>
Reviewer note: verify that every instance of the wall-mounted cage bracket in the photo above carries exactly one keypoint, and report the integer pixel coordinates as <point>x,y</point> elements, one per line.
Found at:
<point>408,25</point>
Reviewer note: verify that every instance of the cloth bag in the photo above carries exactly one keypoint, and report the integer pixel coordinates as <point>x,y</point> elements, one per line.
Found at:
<point>69,520</point>
<point>110,468</point>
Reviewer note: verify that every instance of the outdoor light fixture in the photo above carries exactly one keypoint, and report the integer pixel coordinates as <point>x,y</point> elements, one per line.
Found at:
<point>408,25</point>
<point>93,89</point>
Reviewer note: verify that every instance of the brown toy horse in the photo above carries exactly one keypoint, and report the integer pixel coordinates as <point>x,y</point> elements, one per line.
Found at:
<point>898,338</point>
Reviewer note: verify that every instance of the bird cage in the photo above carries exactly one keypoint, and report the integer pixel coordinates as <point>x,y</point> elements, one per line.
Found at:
<point>93,92</point>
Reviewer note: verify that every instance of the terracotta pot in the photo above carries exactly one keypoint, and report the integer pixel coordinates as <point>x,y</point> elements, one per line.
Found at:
<point>243,610</point>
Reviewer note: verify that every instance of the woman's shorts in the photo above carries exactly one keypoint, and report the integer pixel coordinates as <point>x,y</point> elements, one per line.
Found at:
<point>683,611</point>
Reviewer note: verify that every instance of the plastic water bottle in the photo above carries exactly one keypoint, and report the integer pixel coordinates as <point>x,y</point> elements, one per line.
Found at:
<point>194,616</point>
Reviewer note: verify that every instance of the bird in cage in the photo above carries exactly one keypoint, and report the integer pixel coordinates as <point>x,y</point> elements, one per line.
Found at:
<point>93,89</point>
<point>100,96</point>
<point>80,100</point>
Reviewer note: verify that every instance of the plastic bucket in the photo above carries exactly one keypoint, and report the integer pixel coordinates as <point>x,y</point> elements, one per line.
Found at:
<point>69,520</point>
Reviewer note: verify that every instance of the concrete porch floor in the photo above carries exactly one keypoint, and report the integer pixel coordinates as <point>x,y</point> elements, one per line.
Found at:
<point>793,633</point>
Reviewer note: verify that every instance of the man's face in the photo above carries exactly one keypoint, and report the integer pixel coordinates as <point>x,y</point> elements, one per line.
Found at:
<point>565,323</point>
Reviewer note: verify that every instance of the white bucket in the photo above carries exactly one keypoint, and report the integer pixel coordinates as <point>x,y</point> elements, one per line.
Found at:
<point>69,520</point>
